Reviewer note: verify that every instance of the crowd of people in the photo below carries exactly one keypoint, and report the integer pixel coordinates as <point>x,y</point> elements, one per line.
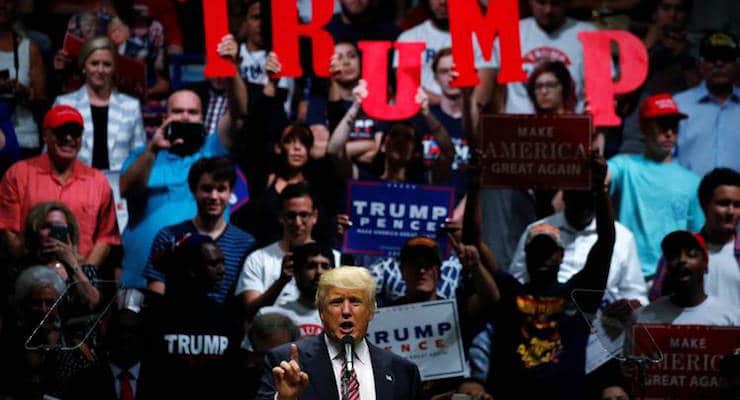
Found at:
<point>164,237</point>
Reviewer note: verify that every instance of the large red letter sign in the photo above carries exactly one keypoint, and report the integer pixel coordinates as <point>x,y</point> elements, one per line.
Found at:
<point>286,29</point>
<point>600,89</point>
<point>408,79</point>
<point>502,19</point>
<point>216,22</point>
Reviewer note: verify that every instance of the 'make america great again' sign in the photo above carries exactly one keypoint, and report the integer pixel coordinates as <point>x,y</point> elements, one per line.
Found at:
<point>538,152</point>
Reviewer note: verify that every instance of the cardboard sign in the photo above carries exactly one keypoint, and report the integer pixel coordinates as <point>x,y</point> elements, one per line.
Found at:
<point>600,88</point>
<point>528,151</point>
<point>287,30</point>
<point>428,334</point>
<point>501,20</point>
<point>408,79</point>
<point>216,23</point>
<point>384,215</point>
<point>689,367</point>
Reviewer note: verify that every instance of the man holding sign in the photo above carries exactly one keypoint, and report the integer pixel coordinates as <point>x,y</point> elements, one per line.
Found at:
<point>316,367</point>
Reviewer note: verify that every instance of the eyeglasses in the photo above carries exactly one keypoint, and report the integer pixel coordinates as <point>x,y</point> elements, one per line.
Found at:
<point>665,124</point>
<point>290,215</point>
<point>549,85</point>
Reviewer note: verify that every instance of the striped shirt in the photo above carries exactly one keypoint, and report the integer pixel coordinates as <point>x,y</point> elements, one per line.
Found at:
<point>235,244</point>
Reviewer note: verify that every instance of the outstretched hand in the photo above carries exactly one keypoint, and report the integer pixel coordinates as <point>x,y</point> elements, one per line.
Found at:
<point>598,171</point>
<point>289,379</point>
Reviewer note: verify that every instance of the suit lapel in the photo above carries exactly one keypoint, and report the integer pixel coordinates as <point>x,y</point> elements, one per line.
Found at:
<point>319,368</point>
<point>382,373</point>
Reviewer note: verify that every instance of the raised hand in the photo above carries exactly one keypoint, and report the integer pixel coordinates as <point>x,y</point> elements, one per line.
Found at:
<point>228,47</point>
<point>359,93</point>
<point>273,66</point>
<point>289,379</point>
<point>286,267</point>
<point>422,99</point>
<point>598,171</point>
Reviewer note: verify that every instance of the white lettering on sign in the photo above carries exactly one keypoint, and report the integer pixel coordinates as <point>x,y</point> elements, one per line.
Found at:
<point>196,344</point>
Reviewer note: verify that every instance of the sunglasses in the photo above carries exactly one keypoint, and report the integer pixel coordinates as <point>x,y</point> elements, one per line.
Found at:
<point>63,131</point>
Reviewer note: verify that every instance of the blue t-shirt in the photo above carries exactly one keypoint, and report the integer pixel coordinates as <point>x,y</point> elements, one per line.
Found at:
<point>458,176</point>
<point>235,245</point>
<point>166,201</point>
<point>653,199</point>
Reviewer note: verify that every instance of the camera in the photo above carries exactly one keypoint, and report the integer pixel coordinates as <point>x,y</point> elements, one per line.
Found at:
<point>192,134</point>
<point>59,232</point>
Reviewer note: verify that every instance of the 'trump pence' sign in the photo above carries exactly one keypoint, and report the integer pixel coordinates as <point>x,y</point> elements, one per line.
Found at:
<point>428,334</point>
<point>384,215</point>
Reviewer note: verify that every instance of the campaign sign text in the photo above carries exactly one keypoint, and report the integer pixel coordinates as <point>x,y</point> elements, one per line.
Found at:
<point>539,152</point>
<point>384,215</point>
<point>691,354</point>
<point>428,334</point>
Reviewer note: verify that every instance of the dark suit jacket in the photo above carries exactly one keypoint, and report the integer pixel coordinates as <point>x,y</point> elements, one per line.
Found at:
<point>395,378</point>
<point>95,383</point>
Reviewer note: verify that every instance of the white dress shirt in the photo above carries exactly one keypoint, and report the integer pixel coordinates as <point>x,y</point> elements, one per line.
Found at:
<point>363,367</point>
<point>626,280</point>
<point>134,371</point>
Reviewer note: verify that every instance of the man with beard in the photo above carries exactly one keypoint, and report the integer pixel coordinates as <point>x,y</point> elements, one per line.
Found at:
<point>654,194</point>
<point>58,176</point>
<point>689,304</point>
<point>154,177</point>
<point>310,261</point>
<point>211,181</point>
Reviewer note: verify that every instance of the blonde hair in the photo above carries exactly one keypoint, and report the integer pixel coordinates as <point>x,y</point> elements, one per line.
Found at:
<point>347,278</point>
<point>96,43</point>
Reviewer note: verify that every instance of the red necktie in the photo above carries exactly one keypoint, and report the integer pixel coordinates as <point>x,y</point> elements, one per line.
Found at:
<point>127,391</point>
<point>353,390</point>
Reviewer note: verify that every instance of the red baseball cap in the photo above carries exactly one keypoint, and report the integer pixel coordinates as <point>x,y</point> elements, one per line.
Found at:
<point>60,115</point>
<point>660,105</point>
<point>677,240</point>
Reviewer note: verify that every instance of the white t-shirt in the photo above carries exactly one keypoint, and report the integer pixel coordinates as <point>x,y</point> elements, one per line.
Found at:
<point>262,268</point>
<point>252,70</point>
<point>626,280</point>
<point>307,319</point>
<point>536,46</point>
<point>437,40</point>
<point>723,276</point>
<point>712,311</point>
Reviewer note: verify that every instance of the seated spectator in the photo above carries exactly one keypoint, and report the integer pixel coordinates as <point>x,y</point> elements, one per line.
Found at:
<point>309,261</point>
<point>449,114</point>
<point>671,66</point>
<point>31,343</point>
<point>361,20</point>
<point>117,375</point>
<point>154,176</point>
<point>113,122</point>
<point>59,176</point>
<point>50,237</point>
<point>706,140</point>
<point>254,67</point>
<point>211,181</point>
<point>267,276</point>
<point>548,35</point>
<point>719,196</point>
<point>650,205</point>
<point>539,335</point>
<point>577,227</point>
<point>193,341</point>
<point>293,165</point>
<point>688,304</point>
<point>266,332</point>
<point>25,83</point>
<point>326,111</point>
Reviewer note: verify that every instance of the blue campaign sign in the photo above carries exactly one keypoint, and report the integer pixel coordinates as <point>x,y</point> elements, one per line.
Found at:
<point>384,215</point>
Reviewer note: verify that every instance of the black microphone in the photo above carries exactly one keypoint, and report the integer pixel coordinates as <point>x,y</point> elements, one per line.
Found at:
<point>348,343</point>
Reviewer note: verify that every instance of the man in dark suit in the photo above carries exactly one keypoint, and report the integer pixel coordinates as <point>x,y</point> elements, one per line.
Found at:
<point>313,368</point>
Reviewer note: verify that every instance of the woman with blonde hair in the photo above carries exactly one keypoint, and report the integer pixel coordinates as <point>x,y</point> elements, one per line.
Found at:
<point>113,125</point>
